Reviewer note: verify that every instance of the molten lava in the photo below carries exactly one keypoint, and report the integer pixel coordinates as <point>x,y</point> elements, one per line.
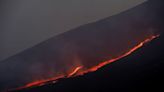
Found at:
<point>114,59</point>
<point>80,71</point>
<point>75,71</point>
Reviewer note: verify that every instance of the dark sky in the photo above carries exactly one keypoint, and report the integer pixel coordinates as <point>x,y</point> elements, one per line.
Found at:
<point>25,23</point>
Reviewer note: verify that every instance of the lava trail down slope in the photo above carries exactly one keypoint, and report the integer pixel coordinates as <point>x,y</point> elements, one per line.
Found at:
<point>83,49</point>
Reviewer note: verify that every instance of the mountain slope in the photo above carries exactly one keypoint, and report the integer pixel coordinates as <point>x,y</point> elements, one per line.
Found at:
<point>140,71</point>
<point>86,46</point>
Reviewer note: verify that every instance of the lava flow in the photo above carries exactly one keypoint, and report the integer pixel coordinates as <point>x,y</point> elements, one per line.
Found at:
<point>75,71</point>
<point>47,81</point>
<point>80,71</point>
<point>126,54</point>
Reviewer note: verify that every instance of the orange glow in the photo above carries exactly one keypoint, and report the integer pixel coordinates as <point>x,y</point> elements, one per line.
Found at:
<point>114,59</point>
<point>35,83</point>
<point>80,71</point>
<point>52,80</point>
<point>38,83</point>
<point>75,71</point>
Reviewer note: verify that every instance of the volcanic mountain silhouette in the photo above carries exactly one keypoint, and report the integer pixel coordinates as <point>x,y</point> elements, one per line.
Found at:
<point>83,49</point>
<point>141,71</point>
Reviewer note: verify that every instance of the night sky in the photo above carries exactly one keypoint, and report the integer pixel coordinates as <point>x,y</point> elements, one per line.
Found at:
<point>85,39</point>
<point>25,23</point>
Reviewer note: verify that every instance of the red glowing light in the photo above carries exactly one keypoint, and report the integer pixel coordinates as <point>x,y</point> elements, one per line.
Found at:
<point>80,71</point>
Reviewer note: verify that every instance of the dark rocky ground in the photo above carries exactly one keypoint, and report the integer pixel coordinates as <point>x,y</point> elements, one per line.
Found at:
<point>141,71</point>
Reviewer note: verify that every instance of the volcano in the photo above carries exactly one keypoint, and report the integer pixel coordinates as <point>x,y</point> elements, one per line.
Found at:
<point>140,71</point>
<point>67,59</point>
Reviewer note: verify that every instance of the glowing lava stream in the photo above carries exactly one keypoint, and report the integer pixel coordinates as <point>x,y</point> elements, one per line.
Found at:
<point>46,81</point>
<point>126,54</point>
<point>75,71</point>
<point>78,70</point>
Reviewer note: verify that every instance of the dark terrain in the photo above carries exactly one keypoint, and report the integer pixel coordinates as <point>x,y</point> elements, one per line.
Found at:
<point>93,43</point>
<point>143,70</point>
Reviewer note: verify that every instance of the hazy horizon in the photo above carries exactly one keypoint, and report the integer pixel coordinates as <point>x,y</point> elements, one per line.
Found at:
<point>26,23</point>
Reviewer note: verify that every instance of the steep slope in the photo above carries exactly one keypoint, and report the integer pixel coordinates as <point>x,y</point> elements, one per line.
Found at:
<point>141,71</point>
<point>86,47</point>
